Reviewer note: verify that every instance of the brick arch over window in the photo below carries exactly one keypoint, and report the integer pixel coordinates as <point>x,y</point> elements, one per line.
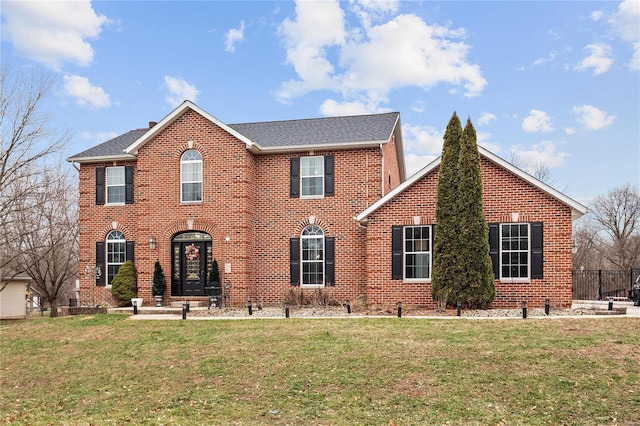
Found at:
<point>192,145</point>
<point>101,250</point>
<point>311,221</point>
<point>295,253</point>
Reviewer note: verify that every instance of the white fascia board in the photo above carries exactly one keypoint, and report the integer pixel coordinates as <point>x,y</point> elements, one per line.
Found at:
<point>101,158</point>
<point>577,209</point>
<point>318,147</point>
<point>362,217</point>
<point>171,117</point>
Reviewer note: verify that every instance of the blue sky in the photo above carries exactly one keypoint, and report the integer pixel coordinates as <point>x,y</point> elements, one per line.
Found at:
<point>550,82</point>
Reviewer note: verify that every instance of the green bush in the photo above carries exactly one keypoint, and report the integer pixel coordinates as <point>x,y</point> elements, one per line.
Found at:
<point>159,281</point>
<point>124,286</point>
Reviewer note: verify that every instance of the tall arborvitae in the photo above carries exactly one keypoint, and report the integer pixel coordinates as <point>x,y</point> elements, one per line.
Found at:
<point>476,288</point>
<point>446,245</point>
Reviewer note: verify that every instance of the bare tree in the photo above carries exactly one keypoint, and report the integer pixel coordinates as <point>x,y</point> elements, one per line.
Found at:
<point>617,215</point>
<point>540,171</point>
<point>26,141</point>
<point>47,246</point>
<point>587,254</point>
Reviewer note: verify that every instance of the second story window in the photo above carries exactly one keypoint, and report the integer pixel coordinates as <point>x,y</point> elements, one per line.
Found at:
<point>312,176</point>
<point>191,176</point>
<point>115,185</point>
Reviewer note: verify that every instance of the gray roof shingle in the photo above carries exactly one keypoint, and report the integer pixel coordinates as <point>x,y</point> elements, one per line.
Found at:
<point>281,134</point>
<point>111,147</point>
<point>319,131</point>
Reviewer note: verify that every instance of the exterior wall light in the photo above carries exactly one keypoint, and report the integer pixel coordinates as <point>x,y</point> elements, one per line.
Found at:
<point>152,243</point>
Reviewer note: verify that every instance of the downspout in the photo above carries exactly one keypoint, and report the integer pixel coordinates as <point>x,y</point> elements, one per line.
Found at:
<point>382,180</point>
<point>74,166</point>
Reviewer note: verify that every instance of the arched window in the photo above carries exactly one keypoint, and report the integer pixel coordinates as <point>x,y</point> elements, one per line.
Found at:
<point>191,176</point>
<point>312,247</point>
<point>116,253</point>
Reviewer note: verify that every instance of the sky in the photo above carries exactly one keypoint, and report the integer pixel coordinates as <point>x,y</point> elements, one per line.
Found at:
<point>555,83</point>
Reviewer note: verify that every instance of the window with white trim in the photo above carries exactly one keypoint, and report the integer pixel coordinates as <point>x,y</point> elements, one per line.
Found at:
<point>312,255</point>
<point>312,176</point>
<point>116,253</point>
<point>191,176</point>
<point>417,252</point>
<point>515,250</point>
<point>115,185</point>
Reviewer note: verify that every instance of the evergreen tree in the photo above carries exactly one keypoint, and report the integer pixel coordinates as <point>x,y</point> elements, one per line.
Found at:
<point>446,245</point>
<point>159,281</point>
<point>214,274</point>
<point>476,288</point>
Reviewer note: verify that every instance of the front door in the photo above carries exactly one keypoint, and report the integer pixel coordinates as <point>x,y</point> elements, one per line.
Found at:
<point>191,254</point>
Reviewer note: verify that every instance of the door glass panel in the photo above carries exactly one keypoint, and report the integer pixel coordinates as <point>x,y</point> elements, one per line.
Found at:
<point>192,261</point>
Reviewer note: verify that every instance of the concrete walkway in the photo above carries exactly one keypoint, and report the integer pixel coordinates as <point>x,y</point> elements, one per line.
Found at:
<point>168,313</point>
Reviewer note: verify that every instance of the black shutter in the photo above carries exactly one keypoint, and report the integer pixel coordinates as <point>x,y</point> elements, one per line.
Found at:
<point>329,181</point>
<point>494,247</point>
<point>128,184</point>
<point>537,259</point>
<point>101,275</point>
<point>396,252</point>
<point>99,185</point>
<point>294,178</point>
<point>294,261</point>
<point>129,251</point>
<point>329,261</point>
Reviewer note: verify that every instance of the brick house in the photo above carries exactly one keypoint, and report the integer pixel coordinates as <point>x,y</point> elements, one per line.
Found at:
<point>315,203</point>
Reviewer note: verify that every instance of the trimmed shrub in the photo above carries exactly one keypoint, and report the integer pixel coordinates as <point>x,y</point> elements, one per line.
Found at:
<point>159,281</point>
<point>124,286</point>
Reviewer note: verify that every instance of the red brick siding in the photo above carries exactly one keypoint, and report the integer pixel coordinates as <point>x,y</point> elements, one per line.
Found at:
<point>504,193</point>
<point>245,198</point>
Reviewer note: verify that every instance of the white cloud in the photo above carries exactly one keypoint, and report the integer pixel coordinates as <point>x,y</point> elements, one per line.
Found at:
<point>625,24</point>
<point>537,121</point>
<point>600,59</point>
<point>331,107</point>
<point>569,131</point>
<point>413,162</point>
<point>372,59</point>
<point>592,118</point>
<point>234,36</point>
<point>52,32</point>
<point>550,57</point>
<point>85,93</point>
<point>597,15</point>
<point>422,140</point>
<point>98,137</point>
<point>179,90</point>
<point>545,153</point>
<point>369,11</point>
<point>486,118</point>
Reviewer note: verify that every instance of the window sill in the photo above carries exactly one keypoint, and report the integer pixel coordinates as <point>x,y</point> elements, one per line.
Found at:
<point>417,280</point>
<point>115,204</point>
<point>187,203</point>
<point>311,197</point>
<point>515,280</point>
<point>311,285</point>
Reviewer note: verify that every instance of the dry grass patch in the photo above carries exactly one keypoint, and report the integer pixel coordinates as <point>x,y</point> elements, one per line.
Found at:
<point>107,369</point>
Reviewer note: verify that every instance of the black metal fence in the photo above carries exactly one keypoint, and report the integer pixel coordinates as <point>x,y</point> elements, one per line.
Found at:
<point>601,284</point>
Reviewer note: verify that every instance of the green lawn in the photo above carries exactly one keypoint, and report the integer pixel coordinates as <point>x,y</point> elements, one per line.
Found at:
<point>105,369</point>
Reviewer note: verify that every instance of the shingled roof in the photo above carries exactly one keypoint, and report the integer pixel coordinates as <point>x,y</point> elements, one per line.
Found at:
<point>320,131</point>
<point>111,149</point>
<point>287,135</point>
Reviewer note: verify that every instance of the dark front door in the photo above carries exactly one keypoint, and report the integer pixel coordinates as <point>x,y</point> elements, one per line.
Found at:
<point>193,268</point>
<point>191,257</point>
